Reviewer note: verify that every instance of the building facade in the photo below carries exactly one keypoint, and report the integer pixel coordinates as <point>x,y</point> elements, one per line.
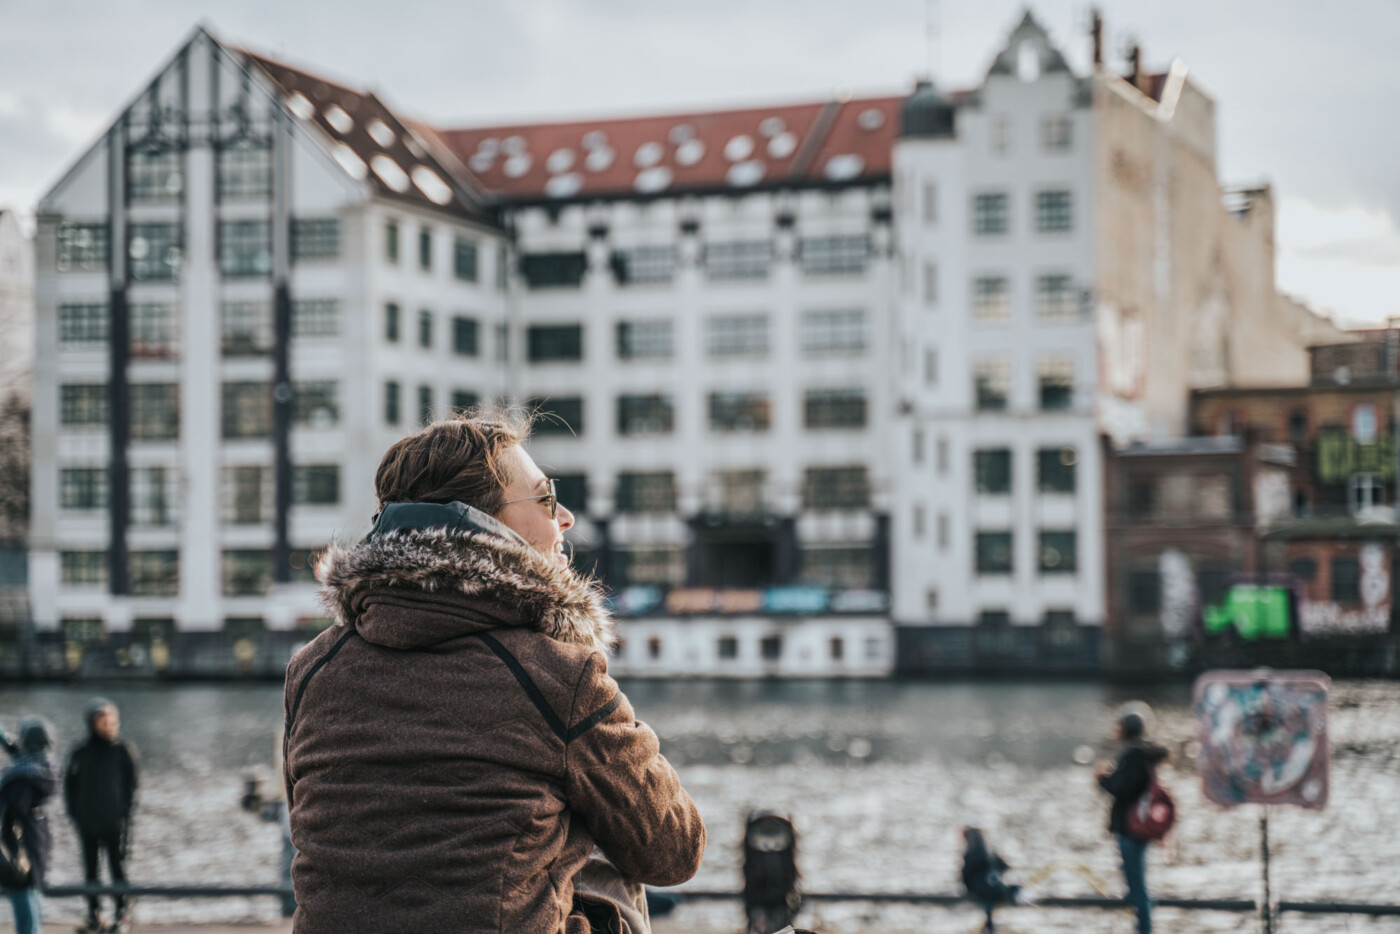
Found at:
<point>823,382</point>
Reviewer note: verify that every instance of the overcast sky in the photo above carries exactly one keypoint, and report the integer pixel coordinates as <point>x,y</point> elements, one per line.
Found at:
<point>1305,91</point>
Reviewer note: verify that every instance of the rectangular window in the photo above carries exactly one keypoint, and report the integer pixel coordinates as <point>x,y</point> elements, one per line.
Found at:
<point>993,552</point>
<point>1055,378</point>
<point>153,252</point>
<point>391,403</point>
<point>646,340</point>
<point>991,214</point>
<point>82,405</point>
<point>573,491</point>
<point>558,416</point>
<point>465,336</point>
<point>930,366</point>
<point>503,343</point>
<point>1346,580</point>
<point>425,405</point>
<point>740,411</point>
<point>83,568</point>
<point>991,298</point>
<point>737,335</point>
<point>153,175</point>
<point>315,238</point>
<point>652,491</point>
<point>153,496</point>
<point>1056,133</point>
<point>930,283</point>
<point>245,329</point>
<point>425,328</point>
<point>930,203</point>
<point>82,324</point>
<point>553,270</point>
<point>827,256</point>
<point>1001,135</point>
<point>834,408</point>
<point>316,484</point>
<point>425,248</point>
<point>1144,591</point>
<point>155,411</point>
<point>553,343</point>
<point>315,318</point>
<point>82,488</point>
<point>653,414</point>
<point>1056,297</point>
<point>391,242</point>
<point>245,248</point>
<point>945,535</point>
<point>770,648</point>
<point>391,322</point>
<point>1052,211</point>
<point>659,567</point>
<point>727,647</point>
<point>154,330</point>
<point>840,568</point>
<point>992,469</point>
<point>840,331</point>
<point>1056,469</point>
<point>247,573</point>
<point>740,492</point>
<point>315,403</point>
<point>464,259</point>
<point>82,247</point>
<point>154,573</point>
<point>464,399</point>
<point>244,171</point>
<point>247,494</point>
<point>992,384</point>
<point>845,487</point>
<point>994,635</point>
<point>85,630</point>
<point>1058,553</point>
<point>644,265</point>
<point>247,410</point>
<point>743,259</point>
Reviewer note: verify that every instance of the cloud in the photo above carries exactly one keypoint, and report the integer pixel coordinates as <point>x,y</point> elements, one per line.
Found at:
<point>1343,258</point>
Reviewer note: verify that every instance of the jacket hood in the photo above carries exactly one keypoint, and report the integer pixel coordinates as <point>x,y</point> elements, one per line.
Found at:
<point>430,572</point>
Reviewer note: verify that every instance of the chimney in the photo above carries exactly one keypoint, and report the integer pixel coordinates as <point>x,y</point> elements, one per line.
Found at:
<point>1096,32</point>
<point>1135,65</point>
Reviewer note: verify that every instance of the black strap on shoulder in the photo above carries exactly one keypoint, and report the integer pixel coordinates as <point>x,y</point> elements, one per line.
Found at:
<point>532,690</point>
<point>296,704</point>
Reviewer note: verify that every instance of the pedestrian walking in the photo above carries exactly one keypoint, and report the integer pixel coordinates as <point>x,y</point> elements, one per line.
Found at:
<point>99,789</point>
<point>1126,781</point>
<point>25,787</point>
<point>984,876</point>
<point>457,757</point>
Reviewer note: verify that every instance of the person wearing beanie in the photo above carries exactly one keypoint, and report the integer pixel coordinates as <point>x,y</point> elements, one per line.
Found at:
<point>1126,781</point>
<point>99,788</point>
<point>24,830</point>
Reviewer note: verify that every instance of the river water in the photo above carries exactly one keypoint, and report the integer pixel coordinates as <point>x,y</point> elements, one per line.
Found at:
<point>878,776</point>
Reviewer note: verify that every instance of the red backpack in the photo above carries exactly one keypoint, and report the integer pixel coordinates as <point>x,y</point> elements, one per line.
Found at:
<point>1152,815</point>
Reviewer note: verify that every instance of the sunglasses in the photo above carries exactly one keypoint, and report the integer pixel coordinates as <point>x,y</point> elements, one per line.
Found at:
<point>550,499</point>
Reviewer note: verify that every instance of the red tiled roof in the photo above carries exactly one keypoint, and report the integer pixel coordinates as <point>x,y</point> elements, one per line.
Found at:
<point>758,146</point>
<point>391,152</point>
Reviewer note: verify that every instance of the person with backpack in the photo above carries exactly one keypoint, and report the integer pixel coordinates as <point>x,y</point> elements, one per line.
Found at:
<point>1127,781</point>
<point>983,876</point>
<point>99,789</point>
<point>25,842</point>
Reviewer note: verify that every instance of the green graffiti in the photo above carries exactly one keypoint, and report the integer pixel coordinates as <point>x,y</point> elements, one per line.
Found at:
<point>1339,456</point>
<point>1255,613</point>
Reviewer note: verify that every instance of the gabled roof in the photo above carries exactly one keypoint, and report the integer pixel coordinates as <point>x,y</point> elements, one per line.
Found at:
<point>836,141</point>
<point>371,142</point>
<point>1031,33</point>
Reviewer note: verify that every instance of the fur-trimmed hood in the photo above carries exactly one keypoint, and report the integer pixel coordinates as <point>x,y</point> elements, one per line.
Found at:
<point>411,587</point>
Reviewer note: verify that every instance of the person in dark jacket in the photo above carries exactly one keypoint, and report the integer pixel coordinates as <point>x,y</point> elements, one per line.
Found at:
<point>25,787</point>
<point>99,788</point>
<point>1125,781</point>
<point>983,875</point>
<point>457,758</point>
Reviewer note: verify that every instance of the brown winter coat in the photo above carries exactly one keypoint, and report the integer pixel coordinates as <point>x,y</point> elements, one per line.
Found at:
<point>455,747</point>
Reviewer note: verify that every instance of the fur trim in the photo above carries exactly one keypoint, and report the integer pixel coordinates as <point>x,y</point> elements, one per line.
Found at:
<point>551,598</point>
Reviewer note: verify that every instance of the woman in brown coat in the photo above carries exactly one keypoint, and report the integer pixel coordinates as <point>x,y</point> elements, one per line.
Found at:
<point>457,757</point>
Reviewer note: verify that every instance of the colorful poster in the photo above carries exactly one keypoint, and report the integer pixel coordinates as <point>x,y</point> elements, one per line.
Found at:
<point>1253,611</point>
<point>1263,737</point>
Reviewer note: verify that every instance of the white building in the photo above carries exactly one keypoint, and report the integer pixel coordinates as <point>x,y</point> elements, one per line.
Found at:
<point>777,344</point>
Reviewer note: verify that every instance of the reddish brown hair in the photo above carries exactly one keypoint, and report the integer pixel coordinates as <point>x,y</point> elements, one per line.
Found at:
<point>455,460</point>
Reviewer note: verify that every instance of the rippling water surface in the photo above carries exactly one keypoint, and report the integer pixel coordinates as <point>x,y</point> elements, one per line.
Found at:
<point>878,776</point>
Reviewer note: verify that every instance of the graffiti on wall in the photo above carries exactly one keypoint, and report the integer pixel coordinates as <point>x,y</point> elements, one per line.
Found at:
<point>1329,618</point>
<point>1178,593</point>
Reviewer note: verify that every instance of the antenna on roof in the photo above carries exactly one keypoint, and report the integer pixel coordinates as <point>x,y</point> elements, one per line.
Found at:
<point>932,9</point>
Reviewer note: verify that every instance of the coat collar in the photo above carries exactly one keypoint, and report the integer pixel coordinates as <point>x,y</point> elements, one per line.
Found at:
<point>430,572</point>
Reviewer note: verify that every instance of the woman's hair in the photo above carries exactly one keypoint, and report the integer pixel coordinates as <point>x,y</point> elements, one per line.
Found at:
<point>455,460</point>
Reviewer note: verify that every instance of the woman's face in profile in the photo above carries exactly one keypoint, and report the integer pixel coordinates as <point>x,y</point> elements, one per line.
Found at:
<point>527,509</point>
